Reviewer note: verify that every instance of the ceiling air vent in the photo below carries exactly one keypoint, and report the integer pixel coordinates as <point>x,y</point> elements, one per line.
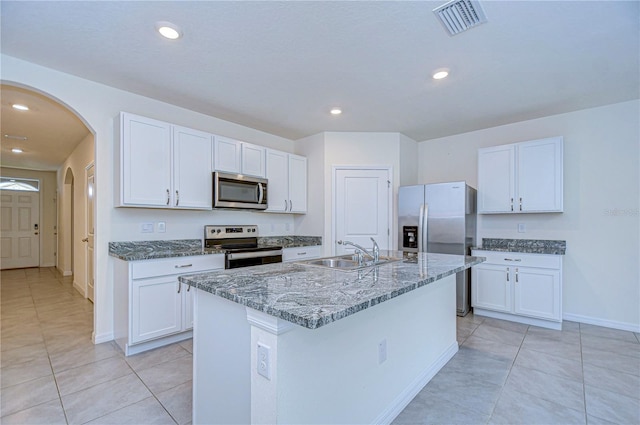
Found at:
<point>460,15</point>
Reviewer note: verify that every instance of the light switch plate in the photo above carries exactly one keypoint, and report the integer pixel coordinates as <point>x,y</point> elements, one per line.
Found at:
<point>161,226</point>
<point>146,227</point>
<point>521,228</point>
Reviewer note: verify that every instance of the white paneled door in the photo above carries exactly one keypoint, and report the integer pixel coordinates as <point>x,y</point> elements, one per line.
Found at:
<point>20,232</point>
<point>362,205</point>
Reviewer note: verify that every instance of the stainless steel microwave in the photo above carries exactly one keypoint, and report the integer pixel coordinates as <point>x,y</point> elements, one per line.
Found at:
<point>238,191</point>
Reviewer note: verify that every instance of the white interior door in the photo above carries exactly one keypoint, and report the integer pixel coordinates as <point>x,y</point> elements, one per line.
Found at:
<point>19,228</point>
<point>362,205</point>
<point>91,196</point>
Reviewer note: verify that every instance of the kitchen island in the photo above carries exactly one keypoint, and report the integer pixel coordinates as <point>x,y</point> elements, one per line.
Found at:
<point>294,343</point>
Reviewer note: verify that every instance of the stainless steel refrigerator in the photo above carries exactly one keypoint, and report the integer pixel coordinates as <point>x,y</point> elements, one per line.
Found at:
<point>439,218</point>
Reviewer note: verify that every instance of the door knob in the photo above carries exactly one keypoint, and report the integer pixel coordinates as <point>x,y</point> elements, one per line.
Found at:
<point>85,240</point>
<point>35,233</point>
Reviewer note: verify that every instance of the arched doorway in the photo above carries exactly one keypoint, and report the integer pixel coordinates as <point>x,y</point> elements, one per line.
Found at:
<point>55,134</point>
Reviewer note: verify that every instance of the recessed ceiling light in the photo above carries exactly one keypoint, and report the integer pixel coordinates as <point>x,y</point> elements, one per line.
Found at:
<point>16,150</point>
<point>14,137</point>
<point>439,74</point>
<point>20,107</point>
<point>336,111</point>
<point>169,30</point>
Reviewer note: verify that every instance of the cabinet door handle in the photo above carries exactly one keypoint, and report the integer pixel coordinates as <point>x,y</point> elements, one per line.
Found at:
<point>285,204</point>
<point>511,204</point>
<point>168,196</point>
<point>290,205</point>
<point>188,288</point>
<point>512,259</point>
<point>179,286</point>
<point>302,253</point>
<point>516,275</point>
<point>507,275</point>
<point>520,203</point>
<point>183,266</point>
<point>177,198</point>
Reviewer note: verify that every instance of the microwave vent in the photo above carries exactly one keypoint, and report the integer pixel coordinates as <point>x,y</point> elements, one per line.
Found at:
<point>457,16</point>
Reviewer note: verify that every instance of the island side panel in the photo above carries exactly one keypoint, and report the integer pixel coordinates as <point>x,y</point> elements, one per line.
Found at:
<point>221,361</point>
<point>332,374</point>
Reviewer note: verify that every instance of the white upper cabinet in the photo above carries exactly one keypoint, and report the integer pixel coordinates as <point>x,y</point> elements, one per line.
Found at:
<point>162,166</point>
<point>192,160</point>
<point>234,156</point>
<point>253,160</point>
<point>145,162</point>
<point>297,184</point>
<point>521,177</point>
<point>287,187</point>
<point>228,154</point>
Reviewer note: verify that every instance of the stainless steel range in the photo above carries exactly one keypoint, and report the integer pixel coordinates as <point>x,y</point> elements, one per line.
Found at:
<point>240,245</point>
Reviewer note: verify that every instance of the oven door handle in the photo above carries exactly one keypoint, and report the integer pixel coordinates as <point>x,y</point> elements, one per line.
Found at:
<point>255,254</point>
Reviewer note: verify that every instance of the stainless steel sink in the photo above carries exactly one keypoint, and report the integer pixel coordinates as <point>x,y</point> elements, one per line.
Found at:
<point>346,262</point>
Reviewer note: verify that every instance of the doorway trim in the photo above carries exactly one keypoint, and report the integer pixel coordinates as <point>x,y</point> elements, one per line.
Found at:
<point>334,191</point>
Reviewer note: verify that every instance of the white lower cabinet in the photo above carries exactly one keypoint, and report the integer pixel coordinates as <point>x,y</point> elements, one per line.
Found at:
<point>301,253</point>
<point>152,307</point>
<point>525,288</point>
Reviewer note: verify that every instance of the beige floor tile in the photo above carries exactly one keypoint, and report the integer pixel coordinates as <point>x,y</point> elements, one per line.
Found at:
<point>99,400</point>
<point>23,354</point>
<point>18,341</point>
<point>178,402</point>
<point>491,348</point>
<point>617,346</point>
<point>50,413</point>
<point>154,357</point>
<point>148,411</point>
<point>84,354</point>
<point>553,365</point>
<point>552,346</point>
<point>612,406</point>
<point>82,377</point>
<point>164,376</point>
<point>611,380</point>
<point>603,332</point>
<point>563,391</point>
<point>611,360</point>
<point>23,372</point>
<point>187,345</point>
<point>520,408</point>
<point>28,394</point>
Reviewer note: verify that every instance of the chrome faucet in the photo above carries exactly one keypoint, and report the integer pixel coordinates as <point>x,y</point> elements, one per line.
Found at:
<point>376,251</point>
<point>360,251</point>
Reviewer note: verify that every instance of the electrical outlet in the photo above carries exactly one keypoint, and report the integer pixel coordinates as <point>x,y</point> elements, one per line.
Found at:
<point>264,361</point>
<point>146,227</point>
<point>382,351</point>
<point>522,228</point>
<point>161,226</point>
<point>287,227</point>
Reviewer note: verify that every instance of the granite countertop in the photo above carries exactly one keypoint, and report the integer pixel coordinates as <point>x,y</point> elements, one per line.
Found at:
<point>149,250</point>
<point>527,246</point>
<point>313,296</point>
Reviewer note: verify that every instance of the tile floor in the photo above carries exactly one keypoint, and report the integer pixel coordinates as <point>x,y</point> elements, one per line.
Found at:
<point>504,373</point>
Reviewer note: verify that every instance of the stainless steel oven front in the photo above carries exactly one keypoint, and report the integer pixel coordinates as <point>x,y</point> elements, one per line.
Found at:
<point>240,246</point>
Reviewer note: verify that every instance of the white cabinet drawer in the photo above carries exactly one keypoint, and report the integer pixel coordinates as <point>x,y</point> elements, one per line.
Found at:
<point>301,253</point>
<point>519,259</point>
<point>176,265</point>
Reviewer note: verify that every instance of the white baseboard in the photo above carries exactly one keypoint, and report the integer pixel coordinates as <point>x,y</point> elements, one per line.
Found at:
<point>100,338</point>
<point>625,326</point>
<point>404,398</point>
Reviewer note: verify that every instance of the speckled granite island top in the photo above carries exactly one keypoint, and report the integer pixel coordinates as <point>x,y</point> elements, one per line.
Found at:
<point>526,246</point>
<point>149,250</point>
<point>312,296</point>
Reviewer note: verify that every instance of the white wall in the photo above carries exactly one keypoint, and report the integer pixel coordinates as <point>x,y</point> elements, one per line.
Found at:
<point>601,204</point>
<point>48,210</point>
<point>77,162</point>
<point>97,105</point>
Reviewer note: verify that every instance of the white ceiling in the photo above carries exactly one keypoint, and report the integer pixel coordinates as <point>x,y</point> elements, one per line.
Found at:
<point>279,66</point>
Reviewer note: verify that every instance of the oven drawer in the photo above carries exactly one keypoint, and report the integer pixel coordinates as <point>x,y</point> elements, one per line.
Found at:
<point>176,265</point>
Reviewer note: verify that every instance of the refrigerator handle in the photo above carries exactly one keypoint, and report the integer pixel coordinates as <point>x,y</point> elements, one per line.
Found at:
<point>423,228</point>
